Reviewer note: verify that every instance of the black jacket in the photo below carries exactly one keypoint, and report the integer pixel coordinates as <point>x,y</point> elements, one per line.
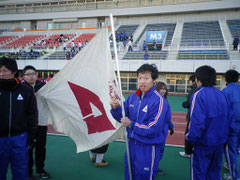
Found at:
<point>186,104</point>
<point>18,110</point>
<point>37,86</point>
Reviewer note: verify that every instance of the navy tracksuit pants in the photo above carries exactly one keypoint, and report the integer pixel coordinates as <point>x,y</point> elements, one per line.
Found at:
<point>14,150</point>
<point>206,162</point>
<point>144,160</point>
<point>231,152</point>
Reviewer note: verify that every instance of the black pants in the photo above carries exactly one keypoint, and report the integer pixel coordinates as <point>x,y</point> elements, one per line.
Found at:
<point>40,150</point>
<point>188,145</point>
<point>100,150</point>
<point>235,47</point>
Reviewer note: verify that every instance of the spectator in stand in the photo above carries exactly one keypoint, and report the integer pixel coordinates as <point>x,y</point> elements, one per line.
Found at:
<point>162,89</point>
<point>131,38</point>
<point>30,79</point>
<point>64,46</point>
<point>85,43</point>
<point>42,43</point>
<point>72,55</point>
<point>18,121</point>
<point>124,43</point>
<point>146,55</point>
<point>121,36</point>
<point>73,46</point>
<point>154,45</point>
<point>232,91</point>
<point>186,104</point>
<point>124,35</point>
<point>111,40</point>
<point>146,121</point>
<point>210,124</point>
<point>111,37</point>
<point>144,45</point>
<point>235,43</point>
<point>117,35</point>
<point>130,45</point>
<point>79,45</point>
<point>67,54</point>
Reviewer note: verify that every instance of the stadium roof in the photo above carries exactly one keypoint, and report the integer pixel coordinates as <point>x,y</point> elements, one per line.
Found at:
<point>178,8</point>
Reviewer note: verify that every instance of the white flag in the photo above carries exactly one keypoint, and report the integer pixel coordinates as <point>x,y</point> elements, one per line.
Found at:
<point>77,101</point>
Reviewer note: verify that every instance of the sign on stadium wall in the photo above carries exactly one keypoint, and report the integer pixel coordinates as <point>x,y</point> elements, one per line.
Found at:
<point>158,36</point>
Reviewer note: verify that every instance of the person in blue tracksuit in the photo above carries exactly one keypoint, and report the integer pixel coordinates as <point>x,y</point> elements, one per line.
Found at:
<point>161,87</point>
<point>232,91</point>
<point>147,117</point>
<point>210,124</point>
<point>18,121</point>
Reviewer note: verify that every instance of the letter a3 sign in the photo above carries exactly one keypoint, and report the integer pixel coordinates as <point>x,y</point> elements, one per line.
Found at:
<point>92,109</point>
<point>158,36</point>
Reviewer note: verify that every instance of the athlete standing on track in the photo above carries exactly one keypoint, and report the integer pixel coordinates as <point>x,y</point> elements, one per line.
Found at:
<point>211,120</point>
<point>232,91</point>
<point>147,114</point>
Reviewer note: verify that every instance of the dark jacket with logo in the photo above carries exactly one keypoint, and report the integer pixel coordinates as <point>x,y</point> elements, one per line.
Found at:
<point>18,110</point>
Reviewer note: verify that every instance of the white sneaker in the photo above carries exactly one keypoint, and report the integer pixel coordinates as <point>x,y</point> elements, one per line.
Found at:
<point>183,154</point>
<point>227,176</point>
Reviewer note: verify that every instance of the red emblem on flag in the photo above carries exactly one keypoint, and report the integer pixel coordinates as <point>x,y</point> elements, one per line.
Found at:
<point>92,109</point>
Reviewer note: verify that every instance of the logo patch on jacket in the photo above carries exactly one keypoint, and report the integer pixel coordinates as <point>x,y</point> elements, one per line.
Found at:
<point>145,108</point>
<point>20,97</point>
<point>146,168</point>
<point>131,105</point>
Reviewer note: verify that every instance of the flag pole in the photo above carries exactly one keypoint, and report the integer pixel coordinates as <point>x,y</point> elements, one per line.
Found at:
<point>120,95</point>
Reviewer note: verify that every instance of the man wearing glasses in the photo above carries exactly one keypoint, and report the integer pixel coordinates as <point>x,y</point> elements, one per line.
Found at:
<point>30,79</point>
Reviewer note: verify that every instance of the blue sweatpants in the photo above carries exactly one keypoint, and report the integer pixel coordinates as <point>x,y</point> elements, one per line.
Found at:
<point>144,161</point>
<point>231,152</point>
<point>14,150</point>
<point>206,162</point>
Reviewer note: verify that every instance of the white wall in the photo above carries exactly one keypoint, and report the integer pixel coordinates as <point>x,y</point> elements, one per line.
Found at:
<point>186,17</point>
<point>178,66</point>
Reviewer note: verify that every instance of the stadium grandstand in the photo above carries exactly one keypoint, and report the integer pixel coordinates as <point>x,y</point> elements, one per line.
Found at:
<point>193,33</point>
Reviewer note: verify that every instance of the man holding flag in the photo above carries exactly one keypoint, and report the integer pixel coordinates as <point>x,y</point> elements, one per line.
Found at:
<point>147,114</point>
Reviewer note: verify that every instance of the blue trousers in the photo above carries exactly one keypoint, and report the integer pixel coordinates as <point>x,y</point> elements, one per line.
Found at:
<point>231,152</point>
<point>14,150</point>
<point>144,160</point>
<point>206,162</point>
